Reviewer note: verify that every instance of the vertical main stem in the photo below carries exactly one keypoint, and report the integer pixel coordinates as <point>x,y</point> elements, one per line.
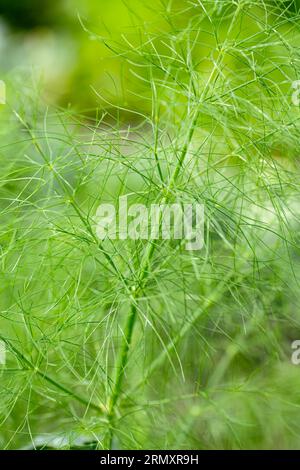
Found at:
<point>122,359</point>
<point>128,332</point>
<point>131,319</point>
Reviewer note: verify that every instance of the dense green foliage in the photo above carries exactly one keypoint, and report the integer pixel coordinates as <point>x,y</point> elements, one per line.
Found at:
<point>142,344</point>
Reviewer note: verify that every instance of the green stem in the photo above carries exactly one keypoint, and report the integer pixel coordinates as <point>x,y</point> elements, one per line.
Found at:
<point>122,359</point>
<point>131,319</point>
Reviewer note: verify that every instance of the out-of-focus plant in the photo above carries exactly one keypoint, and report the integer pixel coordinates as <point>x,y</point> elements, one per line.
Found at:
<point>141,344</point>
